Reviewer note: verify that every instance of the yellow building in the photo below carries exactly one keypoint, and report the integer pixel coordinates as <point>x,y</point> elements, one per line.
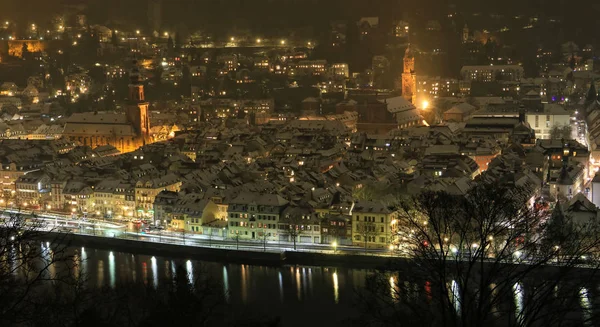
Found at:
<point>147,190</point>
<point>372,224</point>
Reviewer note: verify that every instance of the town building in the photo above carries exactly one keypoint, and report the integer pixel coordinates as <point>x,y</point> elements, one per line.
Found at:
<point>373,224</point>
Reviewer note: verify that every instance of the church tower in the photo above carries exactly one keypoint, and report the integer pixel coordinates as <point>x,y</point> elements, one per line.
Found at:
<point>137,108</point>
<point>409,80</point>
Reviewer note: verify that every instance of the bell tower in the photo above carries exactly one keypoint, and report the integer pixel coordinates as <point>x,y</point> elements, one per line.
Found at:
<point>409,80</point>
<point>137,108</point>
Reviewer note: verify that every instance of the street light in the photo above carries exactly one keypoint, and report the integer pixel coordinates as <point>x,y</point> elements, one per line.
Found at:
<point>425,104</point>
<point>334,244</point>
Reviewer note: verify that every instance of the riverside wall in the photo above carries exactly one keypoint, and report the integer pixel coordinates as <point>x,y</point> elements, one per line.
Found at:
<point>218,254</point>
<point>285,258</point>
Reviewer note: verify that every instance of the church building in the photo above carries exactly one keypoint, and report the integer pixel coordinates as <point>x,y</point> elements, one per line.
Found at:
<point>125,131</point>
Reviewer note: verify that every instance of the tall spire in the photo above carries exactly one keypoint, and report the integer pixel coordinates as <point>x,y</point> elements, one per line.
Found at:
<point>134,74</point>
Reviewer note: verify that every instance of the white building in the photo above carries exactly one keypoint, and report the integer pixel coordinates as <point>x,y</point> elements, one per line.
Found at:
<point>544,120</point>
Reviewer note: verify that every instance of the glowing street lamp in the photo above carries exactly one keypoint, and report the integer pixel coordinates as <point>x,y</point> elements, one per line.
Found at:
<point>258,41</point>
<point>137,32</point>
<point>166,34</point>
<point>282,42</point>
<point>232,39</point>
<point>334,244</point>
<point>425,104</point>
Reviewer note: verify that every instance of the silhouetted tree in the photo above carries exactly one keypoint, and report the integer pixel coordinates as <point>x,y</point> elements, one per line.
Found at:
<point>469,254</point>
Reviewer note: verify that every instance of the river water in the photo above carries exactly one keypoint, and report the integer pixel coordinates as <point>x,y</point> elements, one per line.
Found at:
<point>300,296</point>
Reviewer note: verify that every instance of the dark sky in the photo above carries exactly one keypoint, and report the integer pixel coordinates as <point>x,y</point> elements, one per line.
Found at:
<point>199,12</point>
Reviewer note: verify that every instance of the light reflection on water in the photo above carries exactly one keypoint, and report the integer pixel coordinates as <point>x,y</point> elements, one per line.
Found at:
<point>336,288</point>
<point>586,306</point>
<point>281,286</point>
<point>279,290</point>
<point>225,283</point>
<point>111,269</point>
<point>518,293</point>
<point>190,271</point>
<point>154,272</point>
<point>455,295</point>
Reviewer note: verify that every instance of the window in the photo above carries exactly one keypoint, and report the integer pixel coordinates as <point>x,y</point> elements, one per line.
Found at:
<point>382,229</point>
<point>382,240</point>
<point>381,219</point>
<point>357,218</point>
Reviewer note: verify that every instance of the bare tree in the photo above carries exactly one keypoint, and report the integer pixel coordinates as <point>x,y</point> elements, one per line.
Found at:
<point>471,254</point>
<point>366,230</point>
<point>293,227</point>
<point>558,132</point>
<point>27,266</point>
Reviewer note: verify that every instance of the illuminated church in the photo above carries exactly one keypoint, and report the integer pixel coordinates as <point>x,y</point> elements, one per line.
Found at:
<point>125,131</point>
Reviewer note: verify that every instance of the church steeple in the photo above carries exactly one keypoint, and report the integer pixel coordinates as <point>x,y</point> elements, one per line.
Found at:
<point>136,89</point>
<point>409,80</point>
<point>137,110</point>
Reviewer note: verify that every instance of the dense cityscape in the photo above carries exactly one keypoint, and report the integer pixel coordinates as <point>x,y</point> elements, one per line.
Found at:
<point>444,135</point>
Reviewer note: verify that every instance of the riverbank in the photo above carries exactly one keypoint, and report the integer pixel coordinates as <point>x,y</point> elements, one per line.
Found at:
<point>217,254</point>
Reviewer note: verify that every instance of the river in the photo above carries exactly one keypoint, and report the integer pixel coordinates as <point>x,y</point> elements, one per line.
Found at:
<point>300,296</point>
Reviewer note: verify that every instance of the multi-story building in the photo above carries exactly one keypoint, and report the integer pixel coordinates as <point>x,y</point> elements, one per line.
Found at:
<point>340,70</point>
<point>78,197</point>
<point>434,87</point>
<point>401,29</point>
<point>372,224</point>
<point>147,190</point>
<point>229,62</point>
<point>301,223</point>
<point>105,204</point>
<point>492,73</point>
<point>310,67</point>
<point>255,216</point>
<point>164,203</point>
<point>31,189</point>
<point>546,118</point>
<point>10,172</point>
